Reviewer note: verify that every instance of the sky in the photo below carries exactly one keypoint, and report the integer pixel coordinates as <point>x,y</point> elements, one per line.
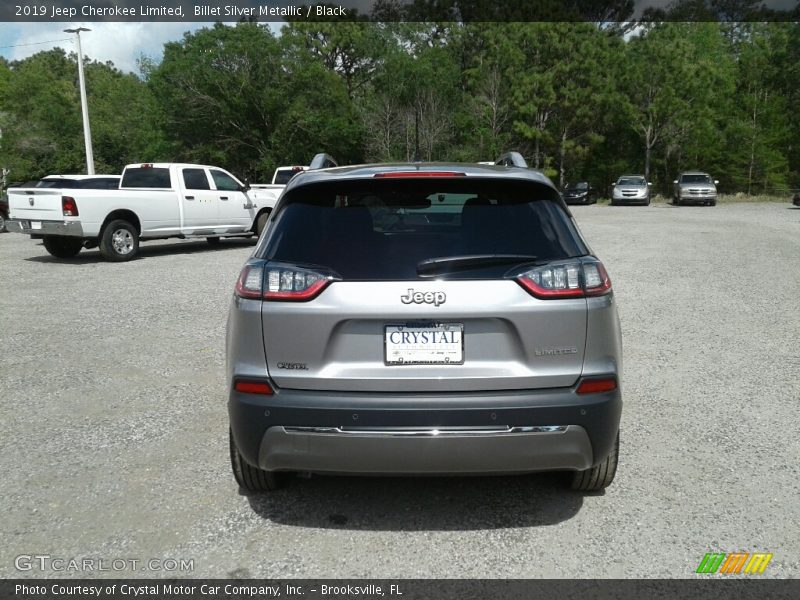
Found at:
<point>121,43</point>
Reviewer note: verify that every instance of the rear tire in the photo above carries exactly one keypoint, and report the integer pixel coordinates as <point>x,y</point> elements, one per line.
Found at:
<point>600,476</point>
<point>250,478</point>
<point>119,241</point>
<point>261,222</point>
<point>62,246</point>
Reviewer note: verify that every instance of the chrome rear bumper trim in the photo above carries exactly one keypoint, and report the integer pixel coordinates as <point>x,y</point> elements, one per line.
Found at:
<point>429,432</point>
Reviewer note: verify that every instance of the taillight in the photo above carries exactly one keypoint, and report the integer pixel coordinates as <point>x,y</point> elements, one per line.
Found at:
<point>566,280</point>
<point>288,283</point>
<point>405,174</point>
<point>253,387</point>
<point>250,282</point>
<point>595,385</point>
<point>281,282</point>
<point>68,206</point>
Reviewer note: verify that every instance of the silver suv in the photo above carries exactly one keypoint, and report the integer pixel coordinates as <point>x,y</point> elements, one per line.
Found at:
<point>695,187</point>
<point>423,319</point>
<point>631,189</point>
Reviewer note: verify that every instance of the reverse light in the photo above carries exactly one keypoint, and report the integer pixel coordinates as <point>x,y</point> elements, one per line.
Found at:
<point>69,207</point>
<point>281,282</point>
<point>253,387</point>
<point>595,385</point>
<point>566,280</point>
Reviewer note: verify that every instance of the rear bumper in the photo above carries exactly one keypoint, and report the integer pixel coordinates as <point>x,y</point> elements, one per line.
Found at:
<point>372,433</point>
<point>69,228</point>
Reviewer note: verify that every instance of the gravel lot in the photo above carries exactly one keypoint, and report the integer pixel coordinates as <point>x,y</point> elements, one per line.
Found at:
<point>114,422</point>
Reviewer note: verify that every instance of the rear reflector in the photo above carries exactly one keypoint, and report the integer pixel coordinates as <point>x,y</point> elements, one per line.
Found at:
<point>68,206</point>
<point>406,174</point>
<point>597,385</point>
<point>253,387</point>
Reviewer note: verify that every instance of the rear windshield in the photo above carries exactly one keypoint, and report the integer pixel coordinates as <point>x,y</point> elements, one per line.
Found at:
<point>146,177</point>
<point>282,176</point>
<point>383,229</point>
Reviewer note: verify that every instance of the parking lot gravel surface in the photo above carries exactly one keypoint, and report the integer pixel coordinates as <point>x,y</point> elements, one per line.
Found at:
<point>114,423</point>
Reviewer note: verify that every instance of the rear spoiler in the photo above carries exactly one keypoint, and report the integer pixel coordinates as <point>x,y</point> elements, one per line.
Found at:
<point>512,159</point>
<point>323,161</point>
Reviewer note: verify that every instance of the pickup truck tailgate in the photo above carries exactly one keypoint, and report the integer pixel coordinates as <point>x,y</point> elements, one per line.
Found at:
<point>35,204</point>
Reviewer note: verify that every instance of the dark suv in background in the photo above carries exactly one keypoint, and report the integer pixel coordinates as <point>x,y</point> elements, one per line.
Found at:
<point>580,193</point>
<point>423,318</point>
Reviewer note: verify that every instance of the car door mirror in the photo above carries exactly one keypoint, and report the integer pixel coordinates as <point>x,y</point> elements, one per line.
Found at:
<point>245,186</point>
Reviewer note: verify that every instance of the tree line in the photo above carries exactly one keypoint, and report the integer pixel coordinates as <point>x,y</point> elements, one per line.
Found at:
<point>580,101</point>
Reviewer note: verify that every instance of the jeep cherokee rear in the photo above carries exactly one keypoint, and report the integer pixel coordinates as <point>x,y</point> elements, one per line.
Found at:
<point>423,319</point>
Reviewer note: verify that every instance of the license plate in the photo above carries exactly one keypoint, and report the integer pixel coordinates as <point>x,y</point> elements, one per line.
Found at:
<point>36,224</point>
<point>424,344</point>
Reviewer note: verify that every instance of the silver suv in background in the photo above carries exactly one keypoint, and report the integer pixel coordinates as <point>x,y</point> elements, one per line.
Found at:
<point>631,189</point>
<point>423,319</point>
<point>695,187</point>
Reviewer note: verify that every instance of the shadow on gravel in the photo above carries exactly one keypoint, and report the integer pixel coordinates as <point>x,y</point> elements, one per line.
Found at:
<point>149,250</point>
<point>421,504</point>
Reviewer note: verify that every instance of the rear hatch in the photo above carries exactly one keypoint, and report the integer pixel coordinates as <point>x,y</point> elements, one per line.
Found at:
<point>419,284</point>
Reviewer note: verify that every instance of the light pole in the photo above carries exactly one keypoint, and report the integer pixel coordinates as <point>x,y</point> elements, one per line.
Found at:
<point>87,131</point>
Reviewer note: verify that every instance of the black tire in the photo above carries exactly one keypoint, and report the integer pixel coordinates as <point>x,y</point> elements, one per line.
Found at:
<point>119,241</point>
<point>600,476</point>
<point>250,478</point>
<point>2,223</point>
<point>214,241</point>
<point>62,246</point>
<point>647,202</point>
<point>712,203</point>
<point>261,222</point>
<point>676,201</point>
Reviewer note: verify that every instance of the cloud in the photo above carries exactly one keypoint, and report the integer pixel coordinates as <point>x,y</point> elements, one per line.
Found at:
<point>120,43</point>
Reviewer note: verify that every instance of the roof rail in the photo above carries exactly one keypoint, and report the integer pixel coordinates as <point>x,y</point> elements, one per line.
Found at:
<point>323,161</point>
<point>512,159</point>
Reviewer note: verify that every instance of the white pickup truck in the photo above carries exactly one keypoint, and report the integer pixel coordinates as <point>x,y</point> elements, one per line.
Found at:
<point>280,178</point>
<point>154,201</point>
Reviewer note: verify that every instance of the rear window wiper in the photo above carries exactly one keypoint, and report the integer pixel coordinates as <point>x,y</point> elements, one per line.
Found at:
<point>468,261</point>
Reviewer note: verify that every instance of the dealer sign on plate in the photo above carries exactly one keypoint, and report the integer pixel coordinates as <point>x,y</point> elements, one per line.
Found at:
<point>424,344</point>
